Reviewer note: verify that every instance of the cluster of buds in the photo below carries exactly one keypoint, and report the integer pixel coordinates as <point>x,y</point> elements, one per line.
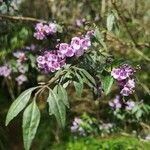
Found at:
<point>124,75</point>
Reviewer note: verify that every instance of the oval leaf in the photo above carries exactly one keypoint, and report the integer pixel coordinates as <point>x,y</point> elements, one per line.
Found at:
<point>107,82</point>
<point>19,104</point>
<point>31,119</point>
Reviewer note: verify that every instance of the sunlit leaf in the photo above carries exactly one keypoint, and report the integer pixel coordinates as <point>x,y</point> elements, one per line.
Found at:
<point>19,104</point>
<point>110,22</point>
<point>107,83</point>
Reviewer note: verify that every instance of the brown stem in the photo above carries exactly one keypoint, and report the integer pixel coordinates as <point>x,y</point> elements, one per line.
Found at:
<point>124,22</point>
<point>21,18</point>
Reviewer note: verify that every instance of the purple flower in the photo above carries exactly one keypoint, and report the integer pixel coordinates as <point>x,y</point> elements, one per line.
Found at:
<point>89,34</point>
<point>130,83</point>
<point>115,103</point>
<point>122,72</point>
<point>126,91</point>
<point>70,52</point>
<point>5,70</point>
<point>50,61</point>
<point>21,68</point>
<point>75,43</point>
<point>21,79</point>
<point>53,28</point>
<point>130,105</point>
<point>42,30</point>
<point>78,23</point>
<point>123,75</point>
<point>39,35</point>
<point>63,48</point>
<point>85,43</point>
<point>128,87</point>
<point>20,55</point>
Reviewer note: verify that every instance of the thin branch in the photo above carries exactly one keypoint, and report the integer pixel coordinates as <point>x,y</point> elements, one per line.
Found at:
<point>21,18</point>
<point>124,22</point>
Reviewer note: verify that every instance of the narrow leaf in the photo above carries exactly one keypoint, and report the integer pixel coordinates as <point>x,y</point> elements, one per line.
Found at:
<point>78,87</point>
<point>57,107</point>
<point>19,104</point>
<point>110,22</point>
<point>88,76</point>
<point>62,93</point>
<point>107,83</point>
<point>31,119</point>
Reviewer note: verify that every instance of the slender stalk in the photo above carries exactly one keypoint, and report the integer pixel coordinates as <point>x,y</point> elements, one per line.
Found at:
<point>10,90</point>
<point>21,18</point>
<point>124,22</point>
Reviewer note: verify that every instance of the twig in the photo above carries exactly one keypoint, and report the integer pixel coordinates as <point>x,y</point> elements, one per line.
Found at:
<point>21,18</point>
<point>124,22</point>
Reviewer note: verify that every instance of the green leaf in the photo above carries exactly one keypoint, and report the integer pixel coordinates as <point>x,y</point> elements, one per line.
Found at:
<point>19,104</point>
<point>99,37</point>
<point>62,93</point>
<point>107,83</point>
<point>78,87</point>
<point>31,120</point>
<point>88,76</point>
<point>110,22</point>
<point>56,107</point>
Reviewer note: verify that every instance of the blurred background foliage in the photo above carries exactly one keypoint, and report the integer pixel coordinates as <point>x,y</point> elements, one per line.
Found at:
<point>125,25</point>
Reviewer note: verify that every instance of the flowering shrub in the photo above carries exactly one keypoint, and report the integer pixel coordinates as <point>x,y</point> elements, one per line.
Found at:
<point>82,61</point>
<point>66,63</point>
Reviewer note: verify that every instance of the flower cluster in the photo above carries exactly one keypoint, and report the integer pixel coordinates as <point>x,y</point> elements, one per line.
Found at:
<point>21,79</point>
<point>77,47</point>
<point>50,61</point>
<point>124,76</point>
<point>21,58</point>
<point>43,30</point>
<point>5,70</point>
<point>115,103</point>
<point>130,105</point>
<point>53,60</point>
<point>77,127</point>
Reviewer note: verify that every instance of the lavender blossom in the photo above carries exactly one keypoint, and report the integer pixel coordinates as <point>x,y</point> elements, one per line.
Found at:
<point>43,30</point>
<point>123,75</point>
<point>21,56</point>
<point>115,103</point>
<point>21,79</point>
<point>5,71</point>
<point>50,61</point>
<point>130,105</point>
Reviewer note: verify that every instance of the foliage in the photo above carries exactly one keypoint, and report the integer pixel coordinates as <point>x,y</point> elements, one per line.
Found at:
<point>112,143</point>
